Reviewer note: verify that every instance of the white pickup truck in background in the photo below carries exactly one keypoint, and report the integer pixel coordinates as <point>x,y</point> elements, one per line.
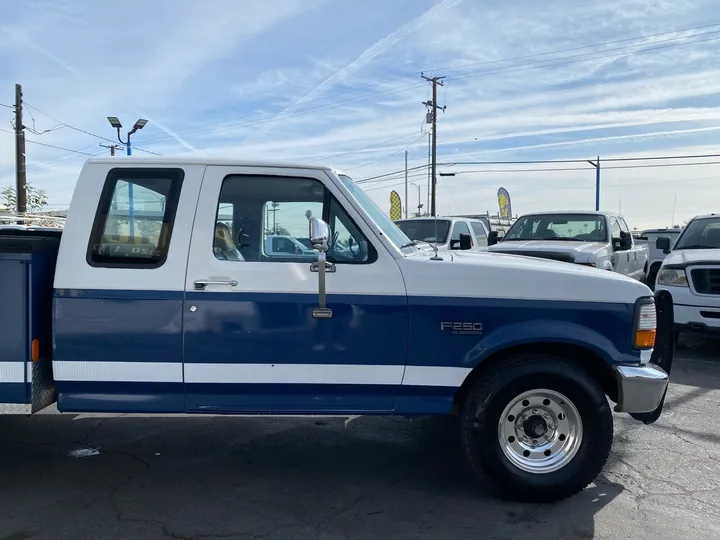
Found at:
<point>447,233</point>
<point>597,239</point>
<point>656,255</point>
<point>690,272</point>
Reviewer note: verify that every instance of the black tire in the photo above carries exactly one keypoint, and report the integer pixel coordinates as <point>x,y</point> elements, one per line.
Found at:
<point>495,389</point>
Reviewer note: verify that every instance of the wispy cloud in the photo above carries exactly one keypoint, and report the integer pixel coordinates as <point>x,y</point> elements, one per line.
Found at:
<point>369,55</point>
<point>328,81</point>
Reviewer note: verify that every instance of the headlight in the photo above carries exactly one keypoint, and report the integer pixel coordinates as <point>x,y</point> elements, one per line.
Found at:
<point>672,277</point>
<point>645,324</point>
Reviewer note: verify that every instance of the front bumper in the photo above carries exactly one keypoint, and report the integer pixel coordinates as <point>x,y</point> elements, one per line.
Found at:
<point>700,319</point>
<point>641,389</point>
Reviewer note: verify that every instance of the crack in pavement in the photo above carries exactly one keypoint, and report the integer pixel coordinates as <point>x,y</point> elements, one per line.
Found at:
<point>111,498</point>
<point>238,534</point>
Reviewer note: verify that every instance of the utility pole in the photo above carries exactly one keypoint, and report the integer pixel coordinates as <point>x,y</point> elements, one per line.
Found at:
<point>406,185</point>
<point>20,171</point>
<point>429,176</point>
<point>434,107</point>
<point>112,148</point>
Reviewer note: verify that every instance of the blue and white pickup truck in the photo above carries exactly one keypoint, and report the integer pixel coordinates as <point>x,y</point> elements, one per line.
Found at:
<point>145,304</point>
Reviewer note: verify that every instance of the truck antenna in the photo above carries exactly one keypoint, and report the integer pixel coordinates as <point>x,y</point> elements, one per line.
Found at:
<point>436,257</point>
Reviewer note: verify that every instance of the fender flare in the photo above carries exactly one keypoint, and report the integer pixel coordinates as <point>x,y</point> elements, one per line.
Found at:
<point>539,331</point>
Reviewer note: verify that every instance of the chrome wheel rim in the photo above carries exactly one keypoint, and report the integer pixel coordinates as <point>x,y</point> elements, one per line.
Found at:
<point>540,431</point>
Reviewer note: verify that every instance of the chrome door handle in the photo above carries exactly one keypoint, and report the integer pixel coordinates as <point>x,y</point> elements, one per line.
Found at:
<point>200,284</point>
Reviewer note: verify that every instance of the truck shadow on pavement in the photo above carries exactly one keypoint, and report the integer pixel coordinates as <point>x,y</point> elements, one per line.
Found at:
<point>295,478</point>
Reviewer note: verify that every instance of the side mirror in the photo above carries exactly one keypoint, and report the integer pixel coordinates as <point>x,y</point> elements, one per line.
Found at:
<point>492,238</point>
<point>319,237</point>
<point>319,234</point>
<point>465,241</point>
<point>625,240</point>
<point>663,242</point>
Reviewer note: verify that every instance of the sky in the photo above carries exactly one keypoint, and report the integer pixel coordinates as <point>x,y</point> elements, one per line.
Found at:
<point>337,82</point>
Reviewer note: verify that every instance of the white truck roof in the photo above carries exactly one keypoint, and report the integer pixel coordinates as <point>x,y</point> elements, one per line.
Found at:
<point>205,160</point>
<point>589,212</point>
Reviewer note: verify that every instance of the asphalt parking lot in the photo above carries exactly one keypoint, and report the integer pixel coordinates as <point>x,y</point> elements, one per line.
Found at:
<point>348,478</point>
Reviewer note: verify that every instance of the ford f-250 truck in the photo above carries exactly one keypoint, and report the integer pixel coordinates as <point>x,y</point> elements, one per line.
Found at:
<point>598,239</point>
<point>176,318</point>
<point>690,272</point>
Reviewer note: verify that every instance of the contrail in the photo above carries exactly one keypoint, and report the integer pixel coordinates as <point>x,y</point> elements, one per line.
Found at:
<point>366,57</point>
<point>25,40</point>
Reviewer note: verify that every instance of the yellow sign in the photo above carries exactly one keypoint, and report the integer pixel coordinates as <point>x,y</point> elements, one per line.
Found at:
<point>395,206</point>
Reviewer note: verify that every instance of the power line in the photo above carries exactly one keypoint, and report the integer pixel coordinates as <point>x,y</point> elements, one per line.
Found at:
<point>195,129</point>
<point>577,58</point>
<point>388,156</point>
<point>556,169</point>
<point>369,178</point>
<point>64,124</point>
<point>290,114</point>
<point>548,161</point>
<point>8,106</point>
<point>50,145</point>
<point>59,148</point>
<point>364,147</point>
<point>573,49</point>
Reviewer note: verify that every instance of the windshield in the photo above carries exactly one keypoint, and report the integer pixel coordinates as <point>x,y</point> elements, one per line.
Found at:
<point>424,230</point>
<point>703,233</point>
<point>386,225</point>
<point>578,227</point>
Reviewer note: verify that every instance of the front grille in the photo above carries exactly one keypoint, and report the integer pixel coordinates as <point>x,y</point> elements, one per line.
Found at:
<point>706,280</point>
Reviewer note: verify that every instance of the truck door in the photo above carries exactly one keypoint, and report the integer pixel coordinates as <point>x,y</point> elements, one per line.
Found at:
<point>251,343</point>
<point>635,262</point>
<point>621,257</point>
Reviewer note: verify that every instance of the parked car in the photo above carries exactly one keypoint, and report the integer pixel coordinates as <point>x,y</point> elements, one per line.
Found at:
<point>597,239</point>
<point>690,272</point>
<point>447,233</point>
<point>279,245</point>
<point>655,255</point>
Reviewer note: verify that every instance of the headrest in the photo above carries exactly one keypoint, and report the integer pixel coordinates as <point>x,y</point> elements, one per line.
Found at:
<point>223,238</point>
<point>713,236</point>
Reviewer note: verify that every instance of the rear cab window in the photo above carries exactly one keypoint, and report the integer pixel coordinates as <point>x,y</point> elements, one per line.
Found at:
<point>135,217</point>
<point>480,233</point>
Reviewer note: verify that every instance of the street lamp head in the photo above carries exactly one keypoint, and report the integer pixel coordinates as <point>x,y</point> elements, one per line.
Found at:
<point>140,124</point>
<point>114,122</point>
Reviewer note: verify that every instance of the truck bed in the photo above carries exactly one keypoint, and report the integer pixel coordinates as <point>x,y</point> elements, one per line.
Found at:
<point>27,265</point>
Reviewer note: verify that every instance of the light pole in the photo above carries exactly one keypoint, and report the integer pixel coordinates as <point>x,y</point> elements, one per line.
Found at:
<point>419,206</point>
<point>114,122</point>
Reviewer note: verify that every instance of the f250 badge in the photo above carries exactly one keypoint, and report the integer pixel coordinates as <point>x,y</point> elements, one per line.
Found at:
<point>471,328</point>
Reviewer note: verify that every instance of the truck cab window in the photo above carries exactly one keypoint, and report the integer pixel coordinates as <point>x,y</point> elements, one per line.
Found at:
<point>134,220</point>
<point>275,214</point>
<point>480,233</point>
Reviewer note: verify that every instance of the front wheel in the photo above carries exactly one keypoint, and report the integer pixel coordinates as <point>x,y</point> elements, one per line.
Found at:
<point>539,426</point>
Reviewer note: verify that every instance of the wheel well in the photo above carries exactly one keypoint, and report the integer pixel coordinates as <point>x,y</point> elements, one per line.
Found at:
<point>598,368</point>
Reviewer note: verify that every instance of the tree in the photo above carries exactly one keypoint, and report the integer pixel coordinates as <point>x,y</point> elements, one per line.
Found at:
<point>281,231</point>
<point>36,198</point>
